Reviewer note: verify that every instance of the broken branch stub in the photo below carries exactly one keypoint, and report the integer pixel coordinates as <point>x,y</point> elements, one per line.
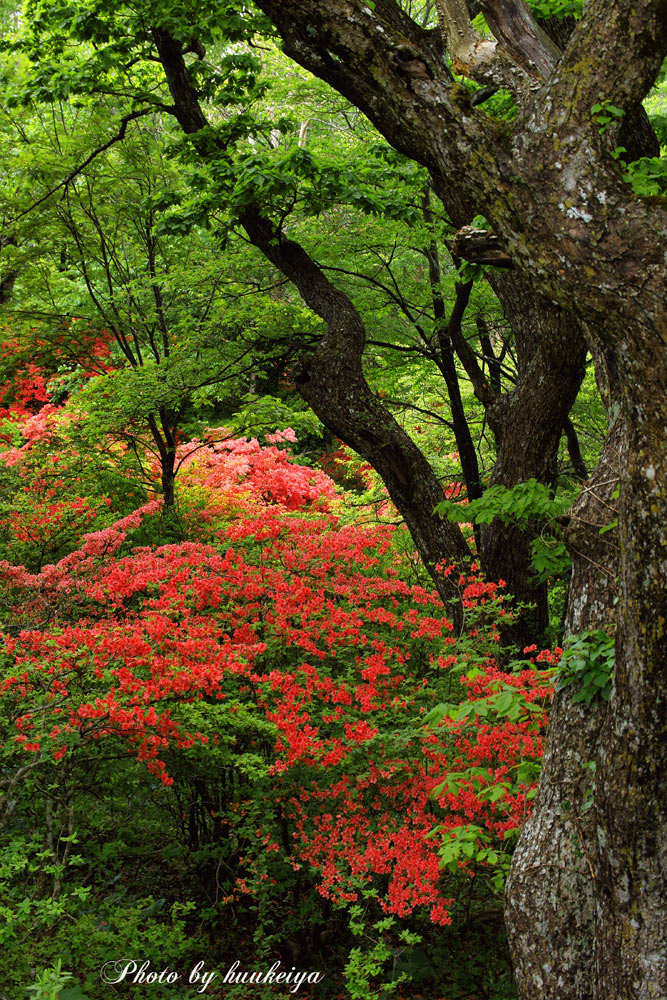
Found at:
<point>479,246</point>
<point>468,51</point>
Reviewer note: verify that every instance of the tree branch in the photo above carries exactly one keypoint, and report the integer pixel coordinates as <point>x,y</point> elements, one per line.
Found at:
<point>468,50</point>
<point>118,137</point>
<point>615,53</point>
<point>520,37</point>
<point>330,378</point>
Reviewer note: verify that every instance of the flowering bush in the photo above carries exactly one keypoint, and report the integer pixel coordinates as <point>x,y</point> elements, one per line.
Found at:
<point>335,728</point>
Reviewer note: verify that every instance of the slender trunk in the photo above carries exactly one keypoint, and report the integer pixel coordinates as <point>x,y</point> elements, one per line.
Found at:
<point>168,480</point>
<point>574,450</point>
<point>444,355</point>
<point>445,359</point>
<point>167,454</point>
<point>528,425</point>
<point>7,280</point>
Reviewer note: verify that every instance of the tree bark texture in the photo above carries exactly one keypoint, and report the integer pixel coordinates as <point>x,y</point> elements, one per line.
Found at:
<point>630,800</point>
<point>551,891</point>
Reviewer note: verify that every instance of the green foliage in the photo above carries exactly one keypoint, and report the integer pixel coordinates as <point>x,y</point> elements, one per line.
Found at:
<point>605,114</point>
<point>26,864</point>
<point>473,843</point>
<point>508,701</point>
<point>50,982</point>
<point>659,125</point>
<point>546,9</point>
<point>375,962</point>
<point>500,105</point>
<point>549,557</point>
<point>587,666</point>
<point>648,176</point>
<point>523,503</point>
<point>266,413</point>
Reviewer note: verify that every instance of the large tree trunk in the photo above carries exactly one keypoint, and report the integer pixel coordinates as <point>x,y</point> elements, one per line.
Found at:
<point>630,799</point>
<point>551,890</point>
<point>584,911</point>
<point>528,425</point>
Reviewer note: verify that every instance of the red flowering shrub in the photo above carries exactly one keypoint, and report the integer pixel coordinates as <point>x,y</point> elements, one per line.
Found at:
<point>347,469</point>
<point>292,653</point>
<point>28,368</point>
<point>227,476</point>
<point>51,494</point>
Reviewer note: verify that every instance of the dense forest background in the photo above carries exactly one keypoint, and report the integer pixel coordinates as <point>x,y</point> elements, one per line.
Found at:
<point>295,464</point>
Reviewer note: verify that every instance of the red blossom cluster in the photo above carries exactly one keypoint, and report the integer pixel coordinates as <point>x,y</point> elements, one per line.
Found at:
<point>26,390</point>
<point>232,474</point>
<point>347,469</point>
<point>29,392</point>
<point>286,612</point>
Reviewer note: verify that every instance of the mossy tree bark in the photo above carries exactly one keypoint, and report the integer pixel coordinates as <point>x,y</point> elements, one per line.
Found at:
<point>551,891</point>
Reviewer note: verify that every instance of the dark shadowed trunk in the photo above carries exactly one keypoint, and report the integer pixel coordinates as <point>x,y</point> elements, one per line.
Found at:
<point>331,380</point>
<point>165,442</point>
<point>528,424</point>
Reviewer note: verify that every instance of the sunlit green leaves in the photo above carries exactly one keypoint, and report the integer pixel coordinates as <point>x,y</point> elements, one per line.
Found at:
<point>522,503</point>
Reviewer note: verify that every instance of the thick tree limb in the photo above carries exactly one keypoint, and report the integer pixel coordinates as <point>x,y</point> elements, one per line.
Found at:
<point>611,37</point>
<point>520,37</point>
<point>541,212</point>
<point>331,378</point>
<point>468,50</point>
